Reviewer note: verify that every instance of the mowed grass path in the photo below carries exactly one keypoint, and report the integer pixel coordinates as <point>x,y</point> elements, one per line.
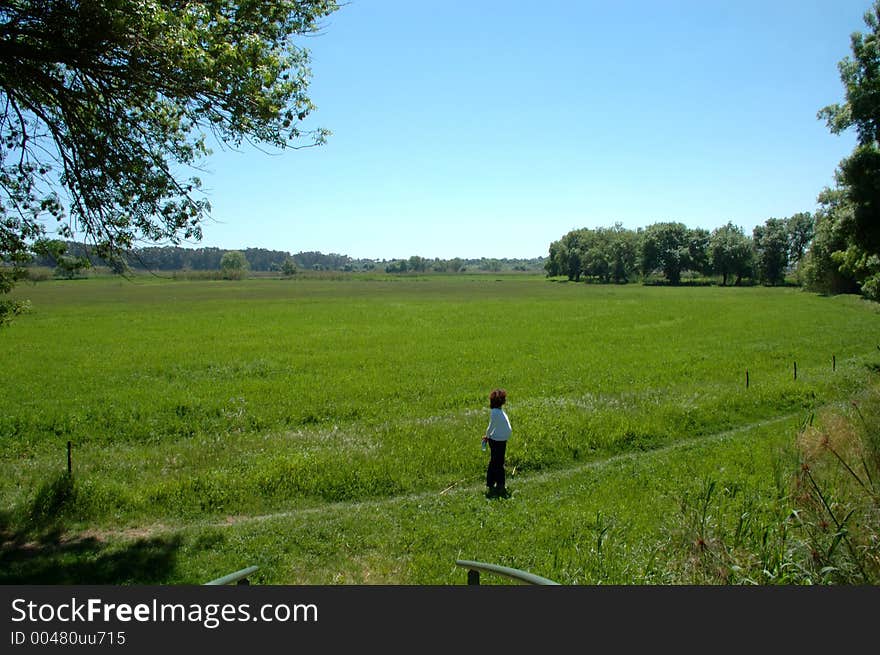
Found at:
<point>337,407</point>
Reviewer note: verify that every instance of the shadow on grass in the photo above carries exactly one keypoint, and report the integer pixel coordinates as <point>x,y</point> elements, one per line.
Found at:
<point>35,549</point>
<point>50,557</point>
<point>498,494</point>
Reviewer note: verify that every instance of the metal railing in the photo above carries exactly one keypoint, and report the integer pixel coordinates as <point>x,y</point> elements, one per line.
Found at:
<point>239,577</point>
<point>474,568</point>
<point>473,574</point>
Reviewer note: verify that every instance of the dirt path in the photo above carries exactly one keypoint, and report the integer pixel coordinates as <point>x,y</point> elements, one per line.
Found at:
<point>467,485</point>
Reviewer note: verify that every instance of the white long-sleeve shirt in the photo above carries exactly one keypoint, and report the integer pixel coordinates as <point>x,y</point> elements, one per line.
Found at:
<point>499,425</point>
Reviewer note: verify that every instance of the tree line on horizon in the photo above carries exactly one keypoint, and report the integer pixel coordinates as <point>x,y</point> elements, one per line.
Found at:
<point>55,253</point>
<point>70,258</point>
<point>669,250</point>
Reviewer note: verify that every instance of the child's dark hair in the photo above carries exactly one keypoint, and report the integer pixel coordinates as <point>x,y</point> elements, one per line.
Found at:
<point>497,398</point>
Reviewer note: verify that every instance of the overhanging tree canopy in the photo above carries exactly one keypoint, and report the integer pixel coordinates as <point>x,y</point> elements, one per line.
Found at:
<point>855,216</point>
<point>103,103</point>
<point>860,172</point>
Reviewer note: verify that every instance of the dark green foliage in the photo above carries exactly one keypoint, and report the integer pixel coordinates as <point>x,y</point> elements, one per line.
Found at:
<point>698,251</point>
<point>823,268</point>
<point>857,229</point>
<point>55,253</point>
<point>15,235</point>
<point>801,229</point>
<point>860,173</point>
<point>730,253</point>
<point>601,254</point>
<point>671,249</point>
<point>771,250</point>
<point>667,247</point>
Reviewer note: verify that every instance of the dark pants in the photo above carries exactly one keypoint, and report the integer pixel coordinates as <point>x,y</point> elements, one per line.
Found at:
<point>495,471</point>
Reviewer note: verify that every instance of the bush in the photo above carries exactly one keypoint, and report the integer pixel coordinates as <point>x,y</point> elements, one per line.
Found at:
<point>38,274</point>
<point>871,288</point>
<point>233,265</point>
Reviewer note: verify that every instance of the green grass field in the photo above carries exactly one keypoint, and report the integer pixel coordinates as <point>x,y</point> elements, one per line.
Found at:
<point>328,430</point>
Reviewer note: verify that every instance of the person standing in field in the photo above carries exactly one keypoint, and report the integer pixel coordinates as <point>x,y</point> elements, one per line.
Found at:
<point>497,434</point>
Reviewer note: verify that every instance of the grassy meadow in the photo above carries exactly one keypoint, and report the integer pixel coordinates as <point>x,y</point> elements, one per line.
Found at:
<point>328,430</point>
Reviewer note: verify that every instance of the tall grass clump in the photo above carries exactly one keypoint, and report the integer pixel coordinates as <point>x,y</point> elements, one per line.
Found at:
<point>822,527</point>
<point>838,496</point>
<point>52,500</point>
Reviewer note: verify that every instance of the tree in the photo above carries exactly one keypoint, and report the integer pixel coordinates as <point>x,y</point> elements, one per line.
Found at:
<point>69,267</point>
<point>608,254</point>
<point>455,265</point>
<point>801,229</point>
<point>13,257</point>
<point>858,176</point>
<point>566,255</point>
<point>553,265</point>
<point>604,254</point>
<point>261,259</point>
<point>622,253</point>
<point>666,247</point>
<point>592,249</point>
<point>822,267</point>
<point>397,266</point>
<point>56,252</point>
<point>771,250</point>
<point>730,253</point>
<point>698,251</point>
<point>104,104</point>
<point>417,264</point>
<point>288,268</point>
<point>233,265</point>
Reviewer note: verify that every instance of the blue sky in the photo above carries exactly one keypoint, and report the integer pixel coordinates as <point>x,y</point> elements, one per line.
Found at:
<point>489,129</point>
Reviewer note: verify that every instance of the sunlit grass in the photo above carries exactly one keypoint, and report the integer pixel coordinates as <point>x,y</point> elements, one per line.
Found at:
<point>194,403</point>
